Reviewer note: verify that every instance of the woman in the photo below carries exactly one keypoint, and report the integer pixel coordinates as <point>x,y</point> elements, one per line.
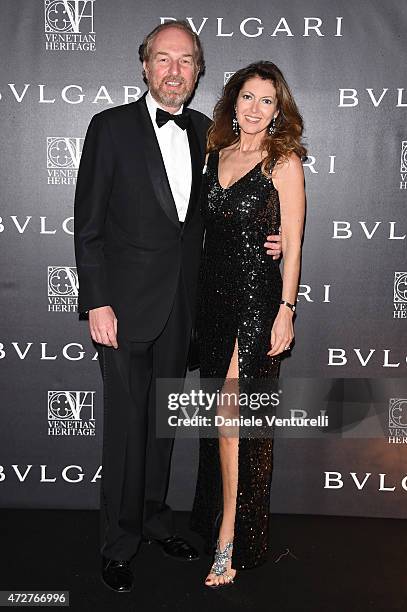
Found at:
<point>254,183</point>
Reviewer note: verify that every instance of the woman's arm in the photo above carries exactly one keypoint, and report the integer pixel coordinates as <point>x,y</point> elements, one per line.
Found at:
<point>288,179</point>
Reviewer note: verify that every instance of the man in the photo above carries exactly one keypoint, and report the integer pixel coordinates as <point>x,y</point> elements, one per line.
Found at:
<point>138,239</point>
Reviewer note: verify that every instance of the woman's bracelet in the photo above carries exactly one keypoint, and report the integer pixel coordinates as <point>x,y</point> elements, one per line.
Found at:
<point>290,306</point>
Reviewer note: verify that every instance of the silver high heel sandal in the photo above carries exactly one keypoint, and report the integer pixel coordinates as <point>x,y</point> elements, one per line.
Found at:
<point>219,564</point>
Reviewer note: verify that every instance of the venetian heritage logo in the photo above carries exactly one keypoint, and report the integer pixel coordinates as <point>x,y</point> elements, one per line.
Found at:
<point>71,413</point>
<point>403,165</point>
<point>63,157</point>
<point>226,76</point>
<point>398,421</point>
<point>63,288</point>
<point>400,295</point>
<point>69,25</point>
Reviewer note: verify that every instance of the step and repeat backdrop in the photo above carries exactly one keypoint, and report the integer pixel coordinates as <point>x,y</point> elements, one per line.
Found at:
<point>65,60</point>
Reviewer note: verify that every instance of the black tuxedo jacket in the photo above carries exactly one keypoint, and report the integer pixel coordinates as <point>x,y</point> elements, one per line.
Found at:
<point>130,249</point>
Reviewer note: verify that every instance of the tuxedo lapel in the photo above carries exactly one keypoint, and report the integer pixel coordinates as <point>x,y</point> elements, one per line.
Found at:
<point>197,159</point>
<point>155,165</point>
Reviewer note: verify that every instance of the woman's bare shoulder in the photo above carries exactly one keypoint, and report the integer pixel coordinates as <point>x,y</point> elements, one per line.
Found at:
<point>288,168</point>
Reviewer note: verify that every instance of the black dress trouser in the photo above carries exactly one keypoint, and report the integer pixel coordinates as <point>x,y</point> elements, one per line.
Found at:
<point>136,464</point>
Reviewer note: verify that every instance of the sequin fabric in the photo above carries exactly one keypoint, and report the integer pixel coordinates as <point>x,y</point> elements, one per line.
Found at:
<point>239,294</point>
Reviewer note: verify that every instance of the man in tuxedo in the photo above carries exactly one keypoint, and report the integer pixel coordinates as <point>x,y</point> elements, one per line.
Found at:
<point>138,240</point>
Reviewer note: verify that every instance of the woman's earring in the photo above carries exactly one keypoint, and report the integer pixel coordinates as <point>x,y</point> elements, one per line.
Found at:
<point>272,126</point>
<point>235,126</point>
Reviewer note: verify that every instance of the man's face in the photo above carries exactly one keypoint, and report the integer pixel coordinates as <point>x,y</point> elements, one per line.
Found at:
<point>171,70</point>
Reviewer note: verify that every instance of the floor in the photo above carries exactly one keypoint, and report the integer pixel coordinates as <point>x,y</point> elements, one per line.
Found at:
<point>317,563</point>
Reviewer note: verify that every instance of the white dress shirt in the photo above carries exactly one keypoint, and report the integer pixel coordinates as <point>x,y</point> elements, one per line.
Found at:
<point>174,146</point>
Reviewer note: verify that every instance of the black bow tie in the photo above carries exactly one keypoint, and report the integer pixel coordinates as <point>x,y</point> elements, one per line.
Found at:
<point>181,120</point>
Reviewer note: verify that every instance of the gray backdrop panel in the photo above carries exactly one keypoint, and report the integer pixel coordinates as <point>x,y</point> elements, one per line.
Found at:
<point>347,80</point>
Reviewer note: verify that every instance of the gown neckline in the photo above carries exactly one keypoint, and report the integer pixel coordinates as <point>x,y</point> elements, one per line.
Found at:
<point>239,179</point>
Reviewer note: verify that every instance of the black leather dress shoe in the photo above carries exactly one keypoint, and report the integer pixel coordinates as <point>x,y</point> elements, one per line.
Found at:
<point>177,548</point>
<point>117,575</point>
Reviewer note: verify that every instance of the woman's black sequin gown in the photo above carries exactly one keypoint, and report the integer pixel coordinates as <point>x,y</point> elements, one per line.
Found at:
<point>240,291</point>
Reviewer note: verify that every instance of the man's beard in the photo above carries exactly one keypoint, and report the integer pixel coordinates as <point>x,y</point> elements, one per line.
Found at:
<point>170,99</point>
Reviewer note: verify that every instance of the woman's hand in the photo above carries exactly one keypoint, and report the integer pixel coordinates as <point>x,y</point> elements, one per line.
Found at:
<point>282,332</point>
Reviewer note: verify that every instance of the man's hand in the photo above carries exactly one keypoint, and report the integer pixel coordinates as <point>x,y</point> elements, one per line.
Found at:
<point>273,246</point>
<point>103,326</point>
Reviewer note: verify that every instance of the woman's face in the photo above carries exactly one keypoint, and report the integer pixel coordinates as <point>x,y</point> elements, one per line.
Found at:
<point>256,105</point>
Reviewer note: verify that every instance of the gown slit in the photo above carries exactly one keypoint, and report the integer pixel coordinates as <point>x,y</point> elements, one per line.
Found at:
<point>231,385</point>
